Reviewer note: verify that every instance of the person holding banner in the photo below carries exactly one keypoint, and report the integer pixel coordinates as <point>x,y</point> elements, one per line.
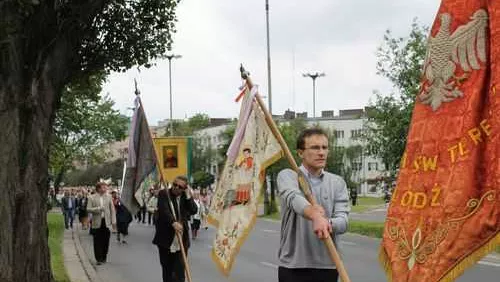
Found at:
<point>176,200</point>
<point>302,256</point>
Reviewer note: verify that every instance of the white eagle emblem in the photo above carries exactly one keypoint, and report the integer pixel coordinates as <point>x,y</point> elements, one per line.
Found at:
<point>464,47</point>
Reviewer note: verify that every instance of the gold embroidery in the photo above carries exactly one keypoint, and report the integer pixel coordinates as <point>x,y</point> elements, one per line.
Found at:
<point>418,252</point>
<point>464,47</point>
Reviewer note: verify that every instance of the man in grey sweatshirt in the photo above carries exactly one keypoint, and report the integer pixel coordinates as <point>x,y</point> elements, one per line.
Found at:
<point>302,255</point>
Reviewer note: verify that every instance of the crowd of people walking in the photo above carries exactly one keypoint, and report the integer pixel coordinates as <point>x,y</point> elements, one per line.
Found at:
<point>100,210</point>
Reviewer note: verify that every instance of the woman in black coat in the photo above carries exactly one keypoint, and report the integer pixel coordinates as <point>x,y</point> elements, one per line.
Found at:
<point>123,218</point>
<point>83,215</point>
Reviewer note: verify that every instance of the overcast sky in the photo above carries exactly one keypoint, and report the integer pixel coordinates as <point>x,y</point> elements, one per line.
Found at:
<point>337,37</point>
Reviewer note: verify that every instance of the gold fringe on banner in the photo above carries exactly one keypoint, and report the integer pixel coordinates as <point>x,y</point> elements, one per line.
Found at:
<point>383,258</point>
<point>471,259</point>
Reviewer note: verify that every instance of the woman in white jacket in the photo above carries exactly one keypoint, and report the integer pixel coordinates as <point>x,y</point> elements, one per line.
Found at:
<point>195,225</point>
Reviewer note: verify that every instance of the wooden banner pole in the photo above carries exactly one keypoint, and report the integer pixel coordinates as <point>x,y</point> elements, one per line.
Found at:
<point>303,184</point>
<point>178,236</point>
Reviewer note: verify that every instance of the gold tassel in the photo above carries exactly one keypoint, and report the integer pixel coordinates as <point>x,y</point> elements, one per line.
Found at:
<point>471,259</point>
<point>385,263</point>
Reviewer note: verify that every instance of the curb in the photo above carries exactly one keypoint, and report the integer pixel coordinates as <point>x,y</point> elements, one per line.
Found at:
<point>84,260</point>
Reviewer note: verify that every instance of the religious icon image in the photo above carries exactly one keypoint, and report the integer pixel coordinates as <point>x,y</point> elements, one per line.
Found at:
<point>246,161</point>
<point>170,157</point>
<point>244,180</point>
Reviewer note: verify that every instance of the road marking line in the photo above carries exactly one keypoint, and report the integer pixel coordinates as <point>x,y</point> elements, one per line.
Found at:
<point>270,231</point>
<point>348,243</point>
<point>268,264</point>
<point>489,263</point>
<point>492,257</point>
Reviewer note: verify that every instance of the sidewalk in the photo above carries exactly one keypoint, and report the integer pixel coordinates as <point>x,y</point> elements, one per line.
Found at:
<point>76,260</point>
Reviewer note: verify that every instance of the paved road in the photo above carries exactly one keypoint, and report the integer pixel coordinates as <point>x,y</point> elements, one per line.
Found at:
<point>375,215</point>
<point>138,260</point>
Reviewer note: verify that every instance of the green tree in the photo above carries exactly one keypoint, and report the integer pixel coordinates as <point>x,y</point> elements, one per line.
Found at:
<point>289,130</point>
<point>202,179</point>
<point>187,128</point>
<point>202,154</point>
<point>83,124</point>
<point>45,45</point>
<point>227,137</point>
<point>340,160</point>
<point>400,60</point>
<point>92,174</point>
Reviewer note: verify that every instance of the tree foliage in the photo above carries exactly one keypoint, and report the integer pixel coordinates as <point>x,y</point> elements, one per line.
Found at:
<point>44,46</point>
<point>202,179</point>
<point>187,128</point>
<point>92,174</point>
<point>83,124</point>
<point>227,137</point>
<point>400,60</point>
<point>202,154</point>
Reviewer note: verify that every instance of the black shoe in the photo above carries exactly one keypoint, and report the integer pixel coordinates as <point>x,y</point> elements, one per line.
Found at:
<point>99,263</point>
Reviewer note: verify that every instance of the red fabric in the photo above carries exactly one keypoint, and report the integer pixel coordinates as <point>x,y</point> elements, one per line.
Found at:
<point>446,203</point>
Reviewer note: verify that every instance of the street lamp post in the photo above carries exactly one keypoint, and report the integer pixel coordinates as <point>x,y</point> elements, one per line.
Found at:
<point>270,101</point>
<point>170,57</point>
<point>314,76</point>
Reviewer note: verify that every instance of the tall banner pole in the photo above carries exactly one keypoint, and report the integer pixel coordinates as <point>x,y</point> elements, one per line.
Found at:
<point>303,184</point>
<point>162,181</point>
<point>177,234</point>
<point>123,175</point>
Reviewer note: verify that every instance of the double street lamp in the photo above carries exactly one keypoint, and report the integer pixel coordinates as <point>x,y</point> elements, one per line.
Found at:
<point>314,76</point>
<point>170,57</point>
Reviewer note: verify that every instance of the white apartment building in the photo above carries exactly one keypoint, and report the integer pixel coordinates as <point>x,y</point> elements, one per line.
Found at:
<point>346,126</point>
<point>211,137</point>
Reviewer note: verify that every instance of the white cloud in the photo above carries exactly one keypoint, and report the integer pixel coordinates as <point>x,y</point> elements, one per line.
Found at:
<point>214,36</point>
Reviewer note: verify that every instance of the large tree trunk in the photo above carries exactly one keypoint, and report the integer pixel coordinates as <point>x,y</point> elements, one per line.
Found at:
<point>27,105</point>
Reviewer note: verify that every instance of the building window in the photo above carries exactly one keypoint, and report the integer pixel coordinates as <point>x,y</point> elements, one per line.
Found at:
<point>339,134</point>
<point>356,166</point>
<point>357,133</point>
<point>372,188</point>
<point>372,166</point>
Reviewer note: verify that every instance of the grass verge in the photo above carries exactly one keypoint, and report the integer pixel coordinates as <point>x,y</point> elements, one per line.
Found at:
<point>367,203</point>
<point>367,228</point>
<point>55,222</point>
<point>371,229</point>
